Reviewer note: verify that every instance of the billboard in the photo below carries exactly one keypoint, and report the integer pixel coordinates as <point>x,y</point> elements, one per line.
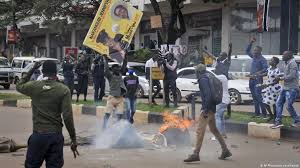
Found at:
<point>113,28</point>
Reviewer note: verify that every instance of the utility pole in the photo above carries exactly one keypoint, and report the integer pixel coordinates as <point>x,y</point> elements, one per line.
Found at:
<point>14,27</point>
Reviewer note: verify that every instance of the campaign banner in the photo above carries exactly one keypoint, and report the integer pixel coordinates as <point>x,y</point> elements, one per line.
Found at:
<point>113,28</point>
<point>262,15</point>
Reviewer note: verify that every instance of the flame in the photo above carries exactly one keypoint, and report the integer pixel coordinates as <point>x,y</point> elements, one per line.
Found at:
<point>173,121</point>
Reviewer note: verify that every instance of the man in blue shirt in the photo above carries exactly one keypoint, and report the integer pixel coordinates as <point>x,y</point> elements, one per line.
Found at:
<point>259,65</point>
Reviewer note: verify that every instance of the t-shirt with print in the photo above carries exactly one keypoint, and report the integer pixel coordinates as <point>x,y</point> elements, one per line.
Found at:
<point>131,82</point>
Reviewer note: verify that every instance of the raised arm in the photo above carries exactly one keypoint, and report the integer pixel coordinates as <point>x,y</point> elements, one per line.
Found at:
<point>25,86</point>
<point>107,72</point>
<point>248,50</point>
<point>124,65</point>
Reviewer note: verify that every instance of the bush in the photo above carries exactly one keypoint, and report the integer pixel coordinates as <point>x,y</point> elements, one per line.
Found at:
<point>142,55</point>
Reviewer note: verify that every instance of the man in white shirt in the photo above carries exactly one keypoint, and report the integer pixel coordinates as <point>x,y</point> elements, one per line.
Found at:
<point>220,109</point>
<point>152,62</point>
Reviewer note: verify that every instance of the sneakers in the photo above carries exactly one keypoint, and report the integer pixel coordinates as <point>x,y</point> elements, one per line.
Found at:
<point>276,125</point>
<point>192,158</point>
<point>195,157</point>
<point>225,154</point>
<point>296,125</point>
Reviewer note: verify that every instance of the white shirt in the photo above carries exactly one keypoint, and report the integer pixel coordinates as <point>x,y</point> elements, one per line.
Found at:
<point>226,97</point>
<point>151,63</point>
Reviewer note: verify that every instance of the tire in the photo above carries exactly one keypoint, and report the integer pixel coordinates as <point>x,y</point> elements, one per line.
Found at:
<point>6,86</point>
<point>235,97</point>
<point>140,92</point>
<point>179,98</point>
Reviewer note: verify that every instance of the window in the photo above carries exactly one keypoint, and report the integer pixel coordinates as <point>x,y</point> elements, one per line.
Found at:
<point>240,65</point>
<point>139,70</point>
<point>3,63</point>
<point>244,25</point>
<point>17,63</point>
<point>26,63</point>
<point>188,74</point>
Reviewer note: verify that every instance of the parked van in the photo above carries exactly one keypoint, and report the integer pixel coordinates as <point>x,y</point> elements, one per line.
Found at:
<point>18,64</point>
<point>22,65</point>
<point>241,64</point>
<point>6,73</point>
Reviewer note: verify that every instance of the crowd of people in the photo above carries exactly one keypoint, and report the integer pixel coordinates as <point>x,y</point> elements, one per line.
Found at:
<point>274,95</point>
<point>49,95</point>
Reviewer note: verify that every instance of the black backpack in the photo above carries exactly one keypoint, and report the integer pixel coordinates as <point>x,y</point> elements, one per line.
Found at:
<point>216,88</point>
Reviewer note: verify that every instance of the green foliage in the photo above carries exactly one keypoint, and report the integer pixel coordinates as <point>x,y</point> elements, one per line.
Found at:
<point>17,10</point>
<point>12,96</point>
<point>142,55</point>
<point>246,117</point>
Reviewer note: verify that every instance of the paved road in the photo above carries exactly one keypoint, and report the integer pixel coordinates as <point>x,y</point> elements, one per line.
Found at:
<point>247,152</point>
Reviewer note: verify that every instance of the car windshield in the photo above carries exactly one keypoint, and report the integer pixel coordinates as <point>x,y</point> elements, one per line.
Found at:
<point>139,70</point>
<point>17,63</point>
<point>3,63</point>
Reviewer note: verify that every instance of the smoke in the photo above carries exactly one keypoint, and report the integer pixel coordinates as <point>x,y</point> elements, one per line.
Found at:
<point>119,135</point>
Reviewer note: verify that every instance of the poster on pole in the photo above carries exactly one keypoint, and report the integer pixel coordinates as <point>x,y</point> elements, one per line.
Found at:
<point>71,52</point>
<point>113,28</point>
<point>262,15</point>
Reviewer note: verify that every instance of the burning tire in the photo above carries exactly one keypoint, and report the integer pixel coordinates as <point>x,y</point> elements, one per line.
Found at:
<point>178,137</point>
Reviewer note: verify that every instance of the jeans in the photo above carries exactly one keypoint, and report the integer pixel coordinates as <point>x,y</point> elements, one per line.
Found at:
<point>211,121</point>
<point>130,104</point>
<point>220,119</point>
<point>99,84</point>
<point>289,96</point>
<point>82,86</point>
<point>158,88</point>
<point>257,98</point>
<point>69,81</point>
<point>170,84</point>
<point>45,146</point>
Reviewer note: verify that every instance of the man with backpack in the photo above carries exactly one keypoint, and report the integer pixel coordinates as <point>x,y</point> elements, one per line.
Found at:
<point>211,95</point>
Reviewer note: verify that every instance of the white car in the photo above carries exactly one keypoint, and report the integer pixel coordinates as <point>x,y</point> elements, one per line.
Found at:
<point>30,65</point>
<point>187,83</point>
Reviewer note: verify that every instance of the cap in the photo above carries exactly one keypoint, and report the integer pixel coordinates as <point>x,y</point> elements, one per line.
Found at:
<point>130,71</point>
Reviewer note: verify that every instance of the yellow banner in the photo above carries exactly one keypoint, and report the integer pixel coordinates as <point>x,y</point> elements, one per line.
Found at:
<point>157,74</point>
<point>113,28</point>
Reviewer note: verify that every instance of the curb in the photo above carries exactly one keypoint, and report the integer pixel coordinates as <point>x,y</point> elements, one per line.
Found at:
<point>154,117</point>
<point>10,103</point>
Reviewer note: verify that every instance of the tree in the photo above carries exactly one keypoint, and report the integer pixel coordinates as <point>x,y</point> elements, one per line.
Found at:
<point>12,11</point>
<point>170,33</point>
